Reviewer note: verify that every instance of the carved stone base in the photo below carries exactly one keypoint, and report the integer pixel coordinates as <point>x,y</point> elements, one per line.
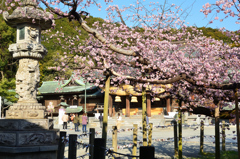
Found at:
<point>27,139</point>
<point>25,111</point>
<point>33,152</point>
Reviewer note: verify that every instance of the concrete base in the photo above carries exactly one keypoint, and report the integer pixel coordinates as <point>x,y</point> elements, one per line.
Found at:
<point>28,139</point>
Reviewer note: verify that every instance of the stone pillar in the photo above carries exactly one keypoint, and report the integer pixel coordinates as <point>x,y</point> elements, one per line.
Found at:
<point>25,133</point>
<point>149,105</point>
<point>127,106</point>
<point>29,51</point>
<point>168,102</point>
<point>110,105</point>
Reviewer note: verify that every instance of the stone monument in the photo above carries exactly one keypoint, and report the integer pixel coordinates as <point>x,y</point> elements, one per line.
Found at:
<point>25,133</point>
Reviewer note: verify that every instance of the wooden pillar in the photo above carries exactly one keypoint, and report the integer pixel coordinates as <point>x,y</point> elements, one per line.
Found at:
<point>144,114</point>
<point>223,136</point>
<point>61,145</point>
<point>114,139</point>
<point>134,148</point>
<point>175,138</point>
<point>168,101</point>
<point>114,112</point>
<point>110,105</point>
<point>105,111</point>
<point>127,113</point>
<point>148,105</point>
<point>72,148</point>
<point>217,134</point>
<point>237,118</point>
<point>91,142</point>
<point>99,148</point>
<point>147,152</point>
<point>201,137</point>
<point>180,130</point>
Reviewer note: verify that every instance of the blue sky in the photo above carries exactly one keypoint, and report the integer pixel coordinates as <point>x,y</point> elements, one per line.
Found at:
<point>195,17</point>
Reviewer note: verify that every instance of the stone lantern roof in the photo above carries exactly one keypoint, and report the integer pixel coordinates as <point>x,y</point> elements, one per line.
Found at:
<point>28,13</point>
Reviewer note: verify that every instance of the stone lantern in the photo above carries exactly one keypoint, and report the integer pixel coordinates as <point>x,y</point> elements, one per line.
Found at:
<point>29,22</point>
<point>25,133</point>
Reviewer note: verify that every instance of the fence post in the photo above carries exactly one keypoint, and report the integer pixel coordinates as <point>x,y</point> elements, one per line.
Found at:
<point>114,139</point>
<point>61,145</point>
<point>223,135</point>
<point>99,148</point>
<point>147,152</point>
<point>150,134</point>
<point>91,142</point>
<point>180,131</point>
<point>217,135</point>
<point>175,138</point>
<point>134,149</point>
<point>201,136</point>
<point>72,149</point>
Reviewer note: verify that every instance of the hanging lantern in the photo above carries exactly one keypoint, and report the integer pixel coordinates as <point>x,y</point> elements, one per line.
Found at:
<point>118,99</point>
<point>134,99</point>
<point>156,99</point>
<point>74,97</point>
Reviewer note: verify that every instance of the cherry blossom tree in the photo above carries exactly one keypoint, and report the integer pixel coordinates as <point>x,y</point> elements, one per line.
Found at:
<point>160,49</point>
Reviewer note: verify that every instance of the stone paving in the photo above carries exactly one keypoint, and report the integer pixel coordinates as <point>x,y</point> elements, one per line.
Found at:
<point>163,141</point>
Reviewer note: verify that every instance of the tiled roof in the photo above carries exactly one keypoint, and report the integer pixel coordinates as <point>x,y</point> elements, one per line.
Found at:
<point>67,86</point>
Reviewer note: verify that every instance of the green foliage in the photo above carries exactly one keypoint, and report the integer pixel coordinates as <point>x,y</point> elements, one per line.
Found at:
<point>55,49</point>
<point>216,34</point>
<point>5,86</point>
<point>7,63</point>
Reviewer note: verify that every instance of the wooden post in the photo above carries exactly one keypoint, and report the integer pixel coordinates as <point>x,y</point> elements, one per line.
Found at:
<point>110,105</point>
<point>99,148</point>
<point>223,135</point>
<point>134,149</point>
<point>114,139</point>
<point>237,119</point>
<point>147,152</point>
<point>149,105</point>
<point>127,113</point>
<point>114,112</point>
<point>91,142</point>
<point>168,105</point>
<point>61,145</point>
<point>180,130</point>
<point>150,134</point>
<point>217,135</point>
<point>72,149</point>
<point>175,138</point>
<point>144,113</point>
<point>201,136</point>
<point>105,110</point>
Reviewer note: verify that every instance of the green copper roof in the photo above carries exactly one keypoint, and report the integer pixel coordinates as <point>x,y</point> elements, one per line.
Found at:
<point>95,94</point>
<point>74,110</point>
<point>63,104</point>
<point>67,86</point>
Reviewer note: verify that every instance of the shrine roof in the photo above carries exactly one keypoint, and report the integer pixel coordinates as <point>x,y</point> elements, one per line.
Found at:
<point>72,85</point>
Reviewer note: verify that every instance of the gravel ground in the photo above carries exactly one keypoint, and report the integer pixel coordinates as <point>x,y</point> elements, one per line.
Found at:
<point>163,141</point>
